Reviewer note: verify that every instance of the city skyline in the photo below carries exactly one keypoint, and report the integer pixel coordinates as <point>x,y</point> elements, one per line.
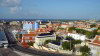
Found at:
<point>50,9</point>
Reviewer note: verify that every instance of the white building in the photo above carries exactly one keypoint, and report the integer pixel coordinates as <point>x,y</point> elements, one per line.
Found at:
<point>54,46</point>
<point>40,39</point>
<point>77,36</point>
<point>14,23</point>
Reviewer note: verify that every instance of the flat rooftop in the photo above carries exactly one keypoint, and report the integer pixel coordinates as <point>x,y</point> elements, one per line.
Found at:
<point>56,43</point>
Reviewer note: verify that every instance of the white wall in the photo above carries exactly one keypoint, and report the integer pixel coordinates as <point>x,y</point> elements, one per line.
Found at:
<point>40,41</point>
<point>53,46</point>
<point>77,36</point>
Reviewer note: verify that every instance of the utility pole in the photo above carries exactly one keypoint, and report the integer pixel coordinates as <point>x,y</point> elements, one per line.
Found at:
<point>70,44</point>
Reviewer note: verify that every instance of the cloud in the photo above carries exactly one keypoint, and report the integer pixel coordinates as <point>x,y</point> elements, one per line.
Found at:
<point>13,5</point>
<point>10,3</point>
<point>15,9</point>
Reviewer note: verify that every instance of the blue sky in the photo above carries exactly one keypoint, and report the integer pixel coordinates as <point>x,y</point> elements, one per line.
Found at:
<point>61,9</point>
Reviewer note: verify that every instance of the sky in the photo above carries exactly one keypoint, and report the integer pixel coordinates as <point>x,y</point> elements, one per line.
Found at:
<point>50,9</point>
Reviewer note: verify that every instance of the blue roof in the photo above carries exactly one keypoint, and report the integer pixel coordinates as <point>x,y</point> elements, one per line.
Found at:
<point>40,37</point>
<point>45,34</point>
<point>2,36</point>
<point>56,43</point>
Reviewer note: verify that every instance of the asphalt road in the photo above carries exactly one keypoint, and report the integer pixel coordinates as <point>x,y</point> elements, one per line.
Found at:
<point>7,52</point>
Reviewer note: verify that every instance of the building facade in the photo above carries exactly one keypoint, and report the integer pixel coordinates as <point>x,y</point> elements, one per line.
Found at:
<point>39,40</point>
<point>77,36</point>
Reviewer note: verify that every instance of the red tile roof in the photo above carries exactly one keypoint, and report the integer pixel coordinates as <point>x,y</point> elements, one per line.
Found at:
<point>40,30</point>
<point>49,28</point>
<point>29,34</point>
<point>32,33</point>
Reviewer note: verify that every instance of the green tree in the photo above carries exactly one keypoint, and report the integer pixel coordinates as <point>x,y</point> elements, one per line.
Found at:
<point>47,41</point>
<point>77,41</point>
<point>89,34</point>
<point>95,33</point>
<point>78,30</point>
<point>60,28</point>
<point>71,44</point>
<point>70,29</point>
<point>67,45</point>
<point>30,43</point>
<point>93,25</point>
<point>85,54</point>
<point>98,33</point>
<point>99,28</point>
<point>85,50</point>
<point>81,31</point>
<point>68,37</point>
<point>74,42</point>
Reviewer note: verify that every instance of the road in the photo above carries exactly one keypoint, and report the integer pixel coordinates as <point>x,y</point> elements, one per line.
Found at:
<point>7,52</point>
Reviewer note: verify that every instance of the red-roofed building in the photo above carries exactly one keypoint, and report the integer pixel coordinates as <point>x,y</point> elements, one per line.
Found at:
<point>41,30</point>
<point>56,25</point>
<point>95,46</point>
<point>65,25</point>
<point>32,32</point>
